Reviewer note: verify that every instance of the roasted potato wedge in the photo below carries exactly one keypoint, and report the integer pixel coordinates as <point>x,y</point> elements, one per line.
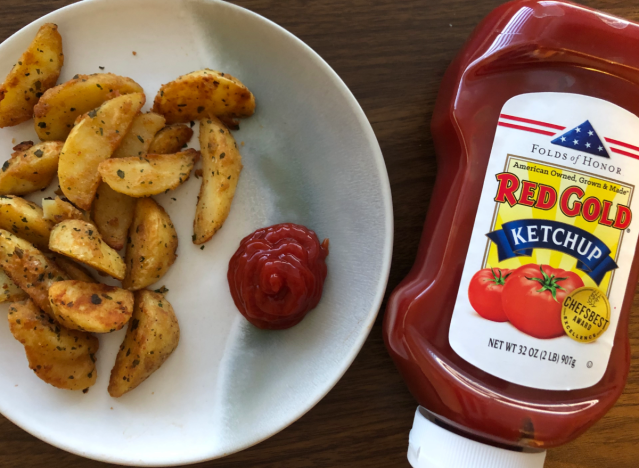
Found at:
<point>203,94</point>
<point>171,139</point>
<point>113,214</point>
<point>90,307</point>
<point>72,269</point>
<point>9,291</point>
<point>63,358</point>
<point>151,247</point>
<point>148,175</point>
<point>221,167</point>
<point>29,268</point>
<point>25,219</point>
<point>36,71</point>
<point>30,169</point>
<point>152,335</point>
<point>57,210</point>
<point>140,135</point>
<point>94,139</point>
<point>59,107</point>
<point>82,242</point>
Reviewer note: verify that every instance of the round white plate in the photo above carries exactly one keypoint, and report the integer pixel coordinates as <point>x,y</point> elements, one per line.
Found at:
<point>310,157</point>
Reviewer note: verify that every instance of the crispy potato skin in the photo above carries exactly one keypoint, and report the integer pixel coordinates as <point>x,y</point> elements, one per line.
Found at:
<point>82,242</point>
<point>171,139</point>
<point>140,135</point>
<point>221,168</point>
<point>9,291</point>
<point>90,307</point>
<point>202,94</point>
<point>30,170</point>
<point>29,269</point>
<point>72,269</point>
<point>63,358</point>
<point>113,215</point>
<point>58,210</point>
<point>152,335</point>
<point>25,219</point>
<point>148,175</point>
<point>36,71</point>
<point>151,247</point>
<point>59,107</point>
<point>91,142</point>
<point>113,211</point>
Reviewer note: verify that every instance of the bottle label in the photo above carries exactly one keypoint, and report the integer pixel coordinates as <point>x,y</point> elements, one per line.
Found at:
<point>552,244</point>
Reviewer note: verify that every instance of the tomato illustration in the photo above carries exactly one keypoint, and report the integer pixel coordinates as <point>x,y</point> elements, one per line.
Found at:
<point>532,298</point>
<point>484,293</point>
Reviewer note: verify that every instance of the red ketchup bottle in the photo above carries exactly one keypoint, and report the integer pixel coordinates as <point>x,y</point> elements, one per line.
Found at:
<point>511,330</point>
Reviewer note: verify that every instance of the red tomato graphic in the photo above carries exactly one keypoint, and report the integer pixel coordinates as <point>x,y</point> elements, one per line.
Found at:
<point>484,293</point>
<point>532,298</point>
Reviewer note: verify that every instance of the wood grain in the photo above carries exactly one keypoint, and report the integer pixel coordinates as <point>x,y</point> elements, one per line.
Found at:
<point>392,54</point>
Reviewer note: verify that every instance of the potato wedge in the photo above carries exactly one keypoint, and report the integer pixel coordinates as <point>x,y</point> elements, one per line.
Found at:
<point>57,210</point>
<point>9,291</point>
<point>113,214</point>
<point>203,94</point>
<point>72,269</point>
<point>221,167</point>
<point>82,242</point>
<point>152,335</point>
<point>36,71</point>
<point>171,139</point>
<point>59,107</point>
<point>90,307</point>
<point>90,142</point>
<point>63,358</point>
<point>25,219</point>
<point>31,169</point>
<point>151,247</point>
<point>140,135</point>
<point>148,175</point>
<point>29,268</point>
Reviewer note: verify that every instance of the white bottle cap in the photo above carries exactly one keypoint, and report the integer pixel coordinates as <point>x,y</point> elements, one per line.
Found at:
<point>431,446</point>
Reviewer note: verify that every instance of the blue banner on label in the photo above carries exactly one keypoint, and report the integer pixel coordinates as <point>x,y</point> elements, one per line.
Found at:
<point>519,238</point>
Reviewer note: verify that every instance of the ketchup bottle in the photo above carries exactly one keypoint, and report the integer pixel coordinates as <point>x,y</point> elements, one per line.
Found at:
<point>511,330</point>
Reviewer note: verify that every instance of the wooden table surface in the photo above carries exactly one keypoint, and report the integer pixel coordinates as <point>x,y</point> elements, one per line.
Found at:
<point>392,55</point>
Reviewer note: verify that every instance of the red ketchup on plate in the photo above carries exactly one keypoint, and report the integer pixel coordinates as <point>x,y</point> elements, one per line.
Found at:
<point>277,275</point>
<point>511,330</point>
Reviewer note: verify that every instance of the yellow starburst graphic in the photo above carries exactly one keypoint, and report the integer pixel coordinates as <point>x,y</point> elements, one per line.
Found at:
<point>560,179</point>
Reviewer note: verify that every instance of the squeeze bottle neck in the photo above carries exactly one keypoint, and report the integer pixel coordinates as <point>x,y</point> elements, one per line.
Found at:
<point>431,446</point>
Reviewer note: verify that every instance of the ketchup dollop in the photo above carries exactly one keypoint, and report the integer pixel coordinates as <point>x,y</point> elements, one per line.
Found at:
<point>277,275</point>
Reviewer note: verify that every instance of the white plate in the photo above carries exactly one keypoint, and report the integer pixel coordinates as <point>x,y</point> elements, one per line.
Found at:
<point>310,157</point>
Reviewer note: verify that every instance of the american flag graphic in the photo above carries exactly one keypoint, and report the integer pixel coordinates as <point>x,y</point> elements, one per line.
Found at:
<point>582,138</point>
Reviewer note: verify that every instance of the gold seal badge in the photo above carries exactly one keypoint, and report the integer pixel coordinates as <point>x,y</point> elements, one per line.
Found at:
<point>585,314</point>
